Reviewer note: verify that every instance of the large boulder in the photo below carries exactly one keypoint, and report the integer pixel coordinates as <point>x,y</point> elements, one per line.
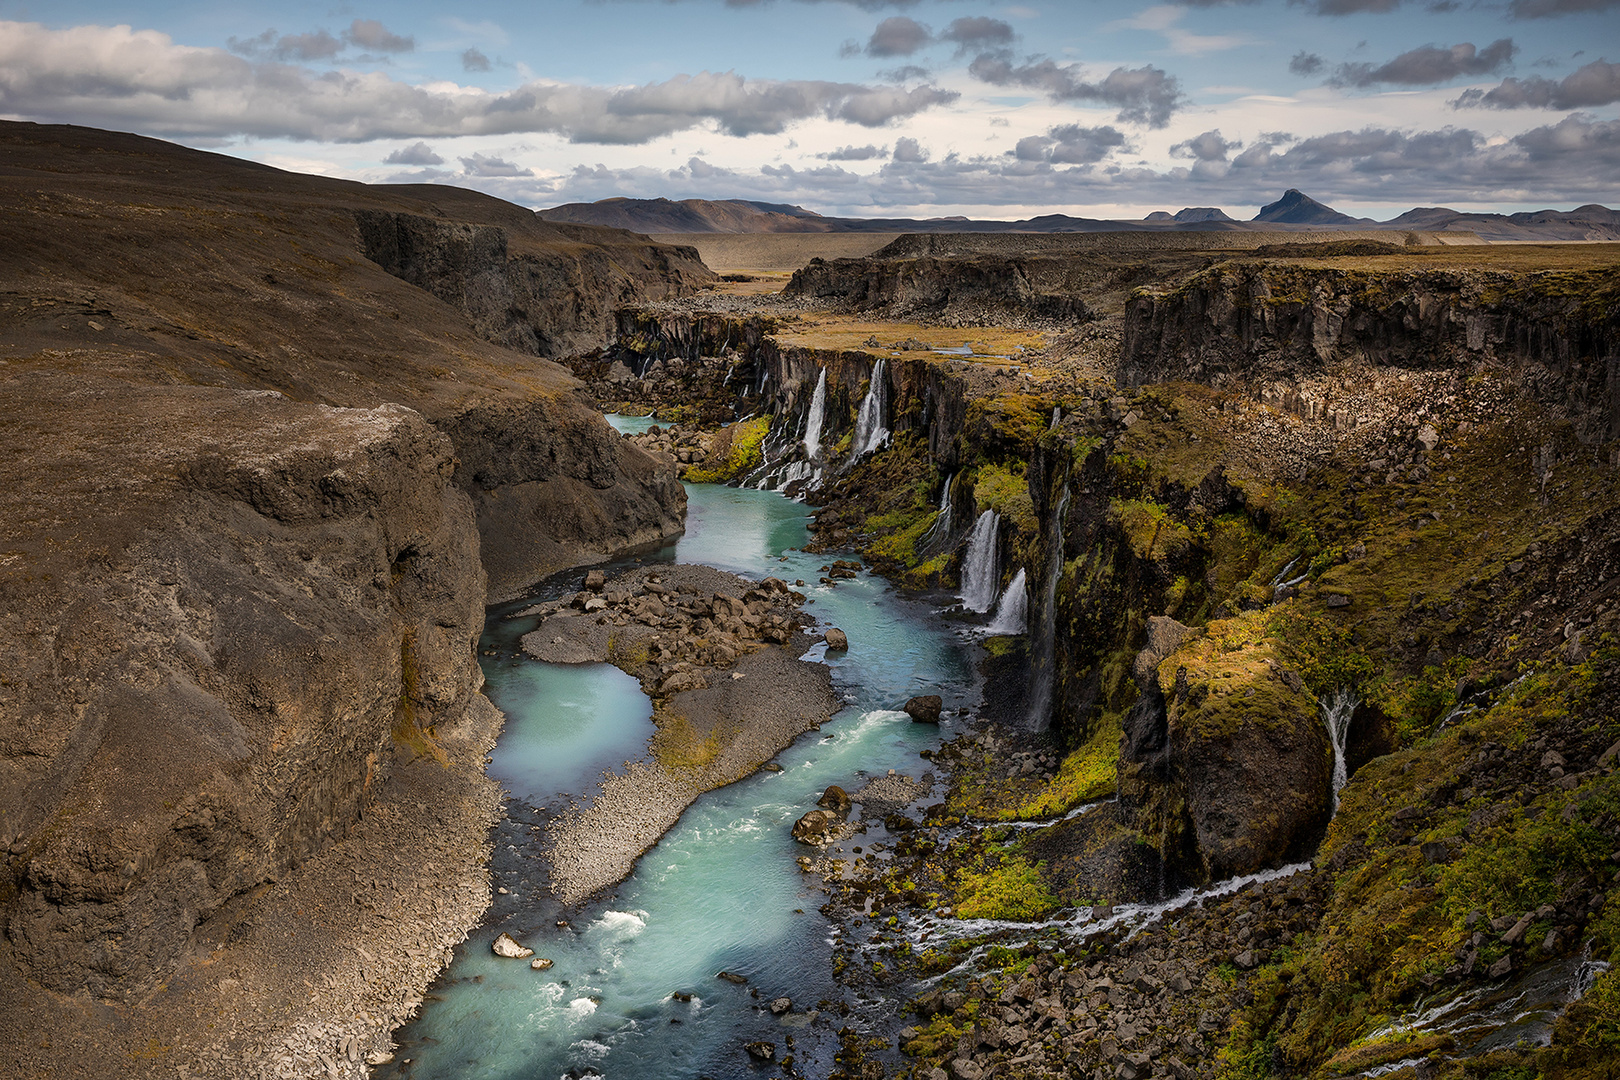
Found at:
<point>816,827</point>
<point>835,799</point>
<point>925,709</point>
<point>1240,778</point>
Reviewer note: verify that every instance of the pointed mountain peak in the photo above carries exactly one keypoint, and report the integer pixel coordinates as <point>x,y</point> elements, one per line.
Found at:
<point>1297,208</point>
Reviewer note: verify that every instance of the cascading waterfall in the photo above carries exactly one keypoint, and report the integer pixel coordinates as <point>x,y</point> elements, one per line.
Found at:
<point>1337,710</point>
<point>869,430</point>
<point>941,528</point>
<point>818,414</point>
<point>1012,610</point>
<point>1043,647</point>
<point>1057,414</point>
<point>981,566</point>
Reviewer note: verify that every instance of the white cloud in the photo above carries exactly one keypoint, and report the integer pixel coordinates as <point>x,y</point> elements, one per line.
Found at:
<point>120,77</point>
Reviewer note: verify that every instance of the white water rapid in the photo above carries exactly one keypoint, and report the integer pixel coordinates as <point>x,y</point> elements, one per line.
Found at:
<point>1013,608</point>
<point>818,415</point>
<point>981,566</point>
<point>1337,710</point>
<point>869,430</point>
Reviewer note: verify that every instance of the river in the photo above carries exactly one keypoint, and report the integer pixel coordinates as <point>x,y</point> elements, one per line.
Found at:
<point>721,890</point>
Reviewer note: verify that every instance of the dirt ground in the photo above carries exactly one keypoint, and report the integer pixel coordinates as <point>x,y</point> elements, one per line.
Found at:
<point>779,253</point>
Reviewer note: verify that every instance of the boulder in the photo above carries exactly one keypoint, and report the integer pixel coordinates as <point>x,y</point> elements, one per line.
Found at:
<point>1164,636</point>
<point>1244,779</point>
<point>781,1005</point>
<point>733,978</point>
<point>595,581</point>
<point>507,946</point>
<point>837,640</point>
<point>541,964</point>
<point>925,709</point>
<point>834,798</point>
<point>761,1051</point>
<point>815,828</point>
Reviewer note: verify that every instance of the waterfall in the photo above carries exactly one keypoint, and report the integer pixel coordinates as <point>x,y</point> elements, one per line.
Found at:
<point>981,566</point>
<point>941,528</point>
<point>869,430</point>
<point>1337,710</point>
<point>1057,414</point>
<point>1013,608</point>
<point>818,413</point>
<point>1043,647</point>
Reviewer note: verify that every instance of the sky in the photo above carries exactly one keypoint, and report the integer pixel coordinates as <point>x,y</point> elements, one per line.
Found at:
<point>865,108</point>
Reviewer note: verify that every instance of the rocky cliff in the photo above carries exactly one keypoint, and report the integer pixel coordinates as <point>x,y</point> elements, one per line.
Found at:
<point>246,469</point>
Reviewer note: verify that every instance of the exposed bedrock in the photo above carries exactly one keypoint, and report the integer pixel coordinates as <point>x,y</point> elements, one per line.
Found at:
<point>1031,286</point>
<point>1283,330</point>
<point>552,296</point>
<point>218,641</point>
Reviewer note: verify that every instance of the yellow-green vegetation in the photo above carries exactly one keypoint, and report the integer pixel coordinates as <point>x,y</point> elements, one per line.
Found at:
<point>1237,678</point>
<point>939,1036</point>
<point>735,450</point>
<point>1002,884</point>
<point>1004,490</point>
<point>1150,529</point>
<point>1595,1021</point>
<point>1011,424</point>
<point>407,730</point>
<point>678,746</point>
<point>1088,774</point>
<point>1396,919</point>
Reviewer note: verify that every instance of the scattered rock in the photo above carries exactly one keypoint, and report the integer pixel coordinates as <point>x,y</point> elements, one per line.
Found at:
<point>834,798</point>
<point>541,964</point>
<point>761,1051</point>
<point>781,1005</point>
<point>733,977</point>
<point>595,581</point>
<point>837,640</point>
<point>1338,600</point>
<point>507,946</point>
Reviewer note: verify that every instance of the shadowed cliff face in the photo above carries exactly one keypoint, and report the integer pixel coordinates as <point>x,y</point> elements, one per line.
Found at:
<point>244,471</point>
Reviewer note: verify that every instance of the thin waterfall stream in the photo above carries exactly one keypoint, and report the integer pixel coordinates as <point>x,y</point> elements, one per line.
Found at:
<point>981,563</point>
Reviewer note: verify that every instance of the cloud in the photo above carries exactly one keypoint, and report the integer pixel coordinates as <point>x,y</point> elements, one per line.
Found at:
<point>122,78</point>
<point>909,150</point>
<point>1163,19</point>
<point>1144,95</point>
<point>317,45</point>
<point>1306,64</point>
<point>1595,85</point>
<point>1548,9</point>
<point>854,153</point>
<point>977,32</point>
<point>479,165</point>
<point>904,73</point>
<point>1567,163</point>
<point>371,34</point>
<point>1210,146</point>
<point>1071,144</point>
<point>1347,7</point>
<point>898,36</point>
<point>473,60</point>
<point>1430,65</point>
<point>419,154</point>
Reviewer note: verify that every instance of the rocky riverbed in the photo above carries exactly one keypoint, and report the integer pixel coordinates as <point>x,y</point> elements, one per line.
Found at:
<point>719,655</point>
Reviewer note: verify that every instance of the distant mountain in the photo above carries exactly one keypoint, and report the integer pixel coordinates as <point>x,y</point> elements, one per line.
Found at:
<point>1589,222</point>
<point>1298,208</point>
<point>1295,210</point>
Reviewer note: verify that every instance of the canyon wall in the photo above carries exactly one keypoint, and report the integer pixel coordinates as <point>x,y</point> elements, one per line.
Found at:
<point>246,470</point>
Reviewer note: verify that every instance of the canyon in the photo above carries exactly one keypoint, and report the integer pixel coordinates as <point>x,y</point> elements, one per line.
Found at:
<point>1307,726</point>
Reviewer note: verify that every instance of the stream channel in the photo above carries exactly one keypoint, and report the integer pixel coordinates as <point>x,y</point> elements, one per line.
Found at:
<point>721,890</point>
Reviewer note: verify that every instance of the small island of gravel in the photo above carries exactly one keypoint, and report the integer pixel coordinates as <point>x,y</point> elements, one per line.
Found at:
<point>720,657</point>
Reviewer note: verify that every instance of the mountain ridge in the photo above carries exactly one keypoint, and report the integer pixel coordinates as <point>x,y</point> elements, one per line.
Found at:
<point>1294,209</point>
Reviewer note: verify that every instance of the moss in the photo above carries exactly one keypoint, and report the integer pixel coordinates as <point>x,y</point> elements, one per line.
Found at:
<point>1237,677</point>
<point>1005,491</point>
<point>1150,530</point>
<point>736,449</point>
<point>678,746</point>
<point>1088,774</point>
<point>1003,885</point>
